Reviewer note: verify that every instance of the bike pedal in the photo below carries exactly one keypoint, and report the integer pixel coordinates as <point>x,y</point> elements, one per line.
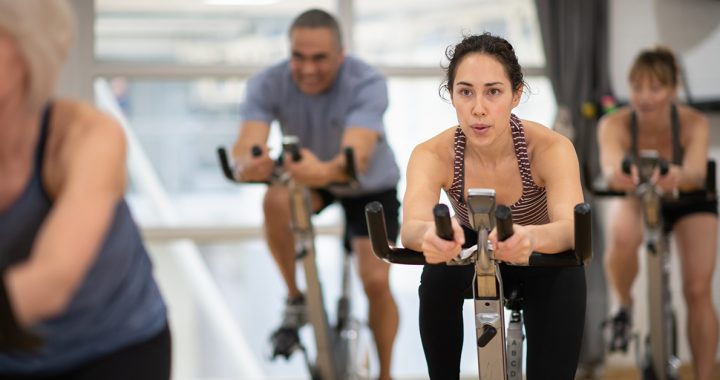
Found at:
<point>284,342</point>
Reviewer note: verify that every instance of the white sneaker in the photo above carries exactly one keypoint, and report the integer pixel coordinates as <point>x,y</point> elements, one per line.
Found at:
<point>294,315</point>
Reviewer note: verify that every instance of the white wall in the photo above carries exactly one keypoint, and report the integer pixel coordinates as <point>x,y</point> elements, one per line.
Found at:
<point>690,27</point>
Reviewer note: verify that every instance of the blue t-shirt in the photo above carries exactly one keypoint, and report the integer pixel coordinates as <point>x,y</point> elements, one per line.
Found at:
<point>358,98</point>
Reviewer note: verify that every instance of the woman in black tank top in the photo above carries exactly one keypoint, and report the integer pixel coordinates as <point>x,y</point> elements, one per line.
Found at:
<point>532,169</point>
<point>680,134</point>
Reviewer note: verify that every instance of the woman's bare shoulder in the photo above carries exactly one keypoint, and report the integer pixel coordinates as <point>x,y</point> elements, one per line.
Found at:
<point>692,117</point>
<point>439,146</point>
<point>76,123</point>
<point>540,137</point>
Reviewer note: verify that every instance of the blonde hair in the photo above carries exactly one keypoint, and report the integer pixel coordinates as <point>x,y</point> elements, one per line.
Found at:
<point>659,62</point>
<point>43,31</point>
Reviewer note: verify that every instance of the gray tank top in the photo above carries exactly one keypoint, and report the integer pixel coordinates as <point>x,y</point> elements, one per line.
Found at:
<point>117,304</point>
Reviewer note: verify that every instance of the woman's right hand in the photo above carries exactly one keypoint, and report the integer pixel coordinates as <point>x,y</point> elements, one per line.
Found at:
<point>438,250</point>
<point>251,168</point>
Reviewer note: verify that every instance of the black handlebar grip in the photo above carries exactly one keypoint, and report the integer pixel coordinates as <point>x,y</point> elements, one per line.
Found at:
<point>626,165</point>
<point>664,167</point>
<point>710,178</point>
<point>256,151</point>
<point>504,222</point>
<point>294,151</point>
<point>350,164</point>
<point>225,164</point>
<point>291,145</point>
<point>443,225</point>
<point>375,219</point>
<point>583,233</point>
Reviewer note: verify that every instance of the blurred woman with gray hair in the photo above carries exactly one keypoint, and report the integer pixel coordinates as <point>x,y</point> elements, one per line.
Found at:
<point>77,295</point>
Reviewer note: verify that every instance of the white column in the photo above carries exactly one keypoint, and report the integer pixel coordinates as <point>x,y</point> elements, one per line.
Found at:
<point>76,78</point>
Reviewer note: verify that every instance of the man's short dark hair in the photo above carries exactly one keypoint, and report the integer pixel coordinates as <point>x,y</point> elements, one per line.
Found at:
<point>318,18</point>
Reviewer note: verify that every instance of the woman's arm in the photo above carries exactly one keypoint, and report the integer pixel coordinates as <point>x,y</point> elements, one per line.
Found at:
<point>691,175</point>
<point>613,145</point>
<point>559,170</point>
<point>556,167</point>
<point>92,162</point>
<point>425,176</point>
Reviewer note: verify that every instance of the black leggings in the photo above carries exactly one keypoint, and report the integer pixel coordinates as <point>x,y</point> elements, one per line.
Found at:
<point>554,314</point>
<point>148,360</point>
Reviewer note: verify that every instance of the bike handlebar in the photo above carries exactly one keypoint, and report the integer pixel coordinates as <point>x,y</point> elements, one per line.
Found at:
<point>627,163</point>
<point>375,218</point>
<point>256,151</point>
<point>710,180</point>
<point>442,221</point>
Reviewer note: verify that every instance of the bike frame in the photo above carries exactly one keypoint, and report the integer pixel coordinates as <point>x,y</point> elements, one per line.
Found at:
<point>660,361</point>
<point>494,363</point>
<point>332,360</point>
<point>488,294</point>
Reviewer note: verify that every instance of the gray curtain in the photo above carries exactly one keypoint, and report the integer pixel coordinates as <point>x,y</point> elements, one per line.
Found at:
<point>575,38</point>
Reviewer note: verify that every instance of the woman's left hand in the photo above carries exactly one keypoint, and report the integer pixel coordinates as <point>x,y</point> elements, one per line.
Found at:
<point>667,183</point>
<point>516,249</point>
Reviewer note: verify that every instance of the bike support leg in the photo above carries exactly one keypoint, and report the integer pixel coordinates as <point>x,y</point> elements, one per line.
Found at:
<point>490,325</point>
<point>514,345</point>
<point>305,245</point>
<point>659,355</point>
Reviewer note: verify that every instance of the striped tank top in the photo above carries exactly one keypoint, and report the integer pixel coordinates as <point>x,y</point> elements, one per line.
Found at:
<point>531,208</point>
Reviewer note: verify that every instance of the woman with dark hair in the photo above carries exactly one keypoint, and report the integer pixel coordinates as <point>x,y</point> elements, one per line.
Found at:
<point>531,168</point>
<point>73,268</point>
<point>680,134</point>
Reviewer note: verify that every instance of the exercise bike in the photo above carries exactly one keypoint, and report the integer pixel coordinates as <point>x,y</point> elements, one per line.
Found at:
<point>499,347</point>
<point>659,361</point>
<point>342,352</point>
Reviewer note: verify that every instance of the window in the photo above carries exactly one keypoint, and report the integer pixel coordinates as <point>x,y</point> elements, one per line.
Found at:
<point>250,32</point>
<point>416,32</point>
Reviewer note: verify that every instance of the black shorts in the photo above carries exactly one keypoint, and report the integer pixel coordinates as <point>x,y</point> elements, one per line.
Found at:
<point>146,360</point>
<point>687,204</point>
<point>354,208</point>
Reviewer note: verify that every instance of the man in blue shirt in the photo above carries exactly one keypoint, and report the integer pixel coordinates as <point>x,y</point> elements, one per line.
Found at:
<point>329,101</point>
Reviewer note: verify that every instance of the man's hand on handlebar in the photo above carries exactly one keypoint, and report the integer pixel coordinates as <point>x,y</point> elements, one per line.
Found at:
<point>438,250</point>
<point>516,249</point>
<point>312,172</point>
<point>254,167</point>
<point>309,170</point>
